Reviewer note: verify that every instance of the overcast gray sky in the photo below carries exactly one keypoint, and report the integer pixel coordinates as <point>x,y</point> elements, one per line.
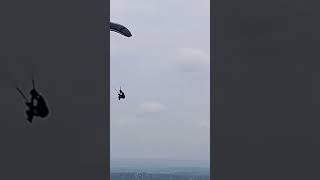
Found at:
<point>164,71</point>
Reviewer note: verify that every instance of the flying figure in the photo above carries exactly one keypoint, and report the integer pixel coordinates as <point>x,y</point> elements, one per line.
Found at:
<point>125,32</point>
<point>39,109</point>
<point>120,29</point>
<point>121,94</point>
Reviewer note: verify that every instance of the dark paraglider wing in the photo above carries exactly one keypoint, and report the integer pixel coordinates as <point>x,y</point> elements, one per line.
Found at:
<point>120,29</point>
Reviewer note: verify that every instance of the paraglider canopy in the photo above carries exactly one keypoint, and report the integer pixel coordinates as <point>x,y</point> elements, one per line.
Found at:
<point>120,29</point>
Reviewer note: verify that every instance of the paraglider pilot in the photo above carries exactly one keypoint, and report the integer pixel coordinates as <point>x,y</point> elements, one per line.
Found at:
<point>121,95</point>
<point>40,109</point>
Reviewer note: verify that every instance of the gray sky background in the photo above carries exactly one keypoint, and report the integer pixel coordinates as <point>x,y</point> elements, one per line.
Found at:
<point>164,71</point>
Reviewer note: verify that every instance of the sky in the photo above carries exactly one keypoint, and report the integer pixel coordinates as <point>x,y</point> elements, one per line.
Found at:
<point>164,71</point>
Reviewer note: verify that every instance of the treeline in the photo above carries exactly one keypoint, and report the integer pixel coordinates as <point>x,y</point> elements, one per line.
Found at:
<point>147,176</point>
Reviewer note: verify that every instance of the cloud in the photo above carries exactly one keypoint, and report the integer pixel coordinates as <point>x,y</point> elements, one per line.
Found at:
<point>150,107</point>
<point>192,59</point>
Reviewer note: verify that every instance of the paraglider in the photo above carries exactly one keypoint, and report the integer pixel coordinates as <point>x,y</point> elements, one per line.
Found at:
<point>125,32</point>
<point>39,109</point>
<point>120,29</point>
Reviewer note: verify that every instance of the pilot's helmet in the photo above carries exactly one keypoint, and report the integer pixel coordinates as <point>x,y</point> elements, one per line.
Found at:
<point>33,92</point>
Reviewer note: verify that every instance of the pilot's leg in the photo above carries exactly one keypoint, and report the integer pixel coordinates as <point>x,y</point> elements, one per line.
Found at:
<point>30,116</point>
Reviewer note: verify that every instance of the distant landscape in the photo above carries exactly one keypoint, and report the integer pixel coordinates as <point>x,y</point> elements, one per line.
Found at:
<point>135,169</point>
